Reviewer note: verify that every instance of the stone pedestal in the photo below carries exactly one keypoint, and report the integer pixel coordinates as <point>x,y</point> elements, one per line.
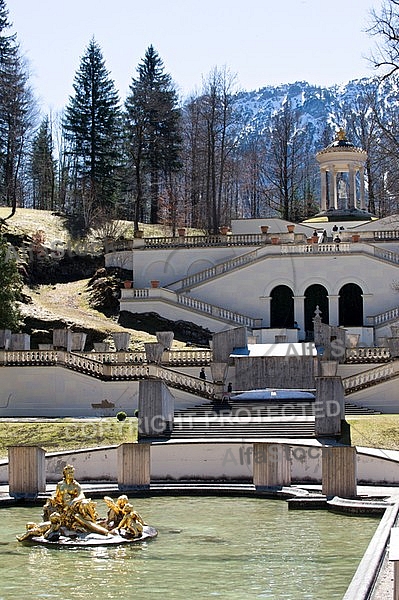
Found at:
<point>5,338</point>
<point>329,406</point>
<point>271,465</point>
<point>26,471</point>
<point>134,466</point>
<point>20,341</point>
<point>156,409</point>
<point>60,338</point>
<point>339,471</point>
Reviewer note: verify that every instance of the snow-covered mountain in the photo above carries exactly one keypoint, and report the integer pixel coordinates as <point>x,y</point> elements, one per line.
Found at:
<point>319,108</point>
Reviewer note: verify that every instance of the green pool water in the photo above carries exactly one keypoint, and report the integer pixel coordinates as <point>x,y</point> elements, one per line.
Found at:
<point>207,547</point>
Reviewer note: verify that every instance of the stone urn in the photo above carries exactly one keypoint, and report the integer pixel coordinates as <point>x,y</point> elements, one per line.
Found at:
<point>328,368</point>
<point>352,340</point>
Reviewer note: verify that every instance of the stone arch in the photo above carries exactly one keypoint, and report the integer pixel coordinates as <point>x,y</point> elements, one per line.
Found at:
<point>277,282</point>
<point>350,305</point>
<point>315,280</point>
<point>315,295</point>
<point>162,270</point>
<point>281,307</point>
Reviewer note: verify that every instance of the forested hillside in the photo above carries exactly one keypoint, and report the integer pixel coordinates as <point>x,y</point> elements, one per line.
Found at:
<point>153,157</point>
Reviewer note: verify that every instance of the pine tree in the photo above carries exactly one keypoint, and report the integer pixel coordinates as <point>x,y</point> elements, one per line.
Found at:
<point>153,130</point>
<point>16,113</point>
<point>43,167</point>
<point>6,42</point>
<point>10,287</point>
<point>92,129</point>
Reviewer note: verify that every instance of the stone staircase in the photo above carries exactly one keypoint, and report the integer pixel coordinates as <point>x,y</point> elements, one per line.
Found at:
<point>236,420</point>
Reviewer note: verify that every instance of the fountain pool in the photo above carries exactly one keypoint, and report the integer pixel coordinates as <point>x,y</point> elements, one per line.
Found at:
<point>208,547</point>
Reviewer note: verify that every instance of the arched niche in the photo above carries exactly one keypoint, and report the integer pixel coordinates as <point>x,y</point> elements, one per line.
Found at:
<point>281,307</point>
<point>315,295</point>
<point>350,307</point>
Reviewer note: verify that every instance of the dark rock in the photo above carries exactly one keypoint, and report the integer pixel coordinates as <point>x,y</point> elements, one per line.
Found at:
<point>41,331</point>
<point>151,322</point>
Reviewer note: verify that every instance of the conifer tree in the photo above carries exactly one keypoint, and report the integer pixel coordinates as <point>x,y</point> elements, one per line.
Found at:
<point>10,287</point>
<point>153,120</point>
<point>92,130</point>
<point>43,167</point>
<point>16,112</point>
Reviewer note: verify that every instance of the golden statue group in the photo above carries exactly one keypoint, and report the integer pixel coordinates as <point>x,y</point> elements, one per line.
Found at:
<point>69,518</point>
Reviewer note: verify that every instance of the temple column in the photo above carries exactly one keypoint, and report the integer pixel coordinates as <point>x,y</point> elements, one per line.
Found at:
<point>333,188</point>
<point>333,309</point>
<point>352,187</point>
<point>323,189</point>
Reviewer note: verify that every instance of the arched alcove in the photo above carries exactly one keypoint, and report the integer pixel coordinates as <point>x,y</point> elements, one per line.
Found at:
<point>350,305</point>
<point>282,307</point>
<point>315,295</point>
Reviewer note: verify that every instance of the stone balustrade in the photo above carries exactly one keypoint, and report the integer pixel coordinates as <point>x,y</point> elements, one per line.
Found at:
<point>383,318</point>
<point>219,269</point>
<point>366,378</point>
<point>97,365</point>
<point>198,241</point>
<point>388,255</point>
<point>118,366</point>
<point>23,358</point>
<point>391,235</point>
<point>200,306</point>
<point>329,248</point>
<point>183,356</point>
<point>243,239</point>
<point>182,380</point>
<point>367,355</point>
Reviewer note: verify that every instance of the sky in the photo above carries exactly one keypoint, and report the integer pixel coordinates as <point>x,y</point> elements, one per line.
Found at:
<point>261,42</point>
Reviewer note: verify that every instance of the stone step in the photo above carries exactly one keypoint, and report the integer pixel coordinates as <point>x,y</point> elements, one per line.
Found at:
<point>240,431</point>
<point>253,409</point>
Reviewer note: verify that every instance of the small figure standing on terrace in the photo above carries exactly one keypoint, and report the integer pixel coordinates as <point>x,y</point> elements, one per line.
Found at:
<point>202,374</point>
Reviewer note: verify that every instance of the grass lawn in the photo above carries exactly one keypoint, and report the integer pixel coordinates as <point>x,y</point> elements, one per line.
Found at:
<point>377,431</point>
<point>66,434</point>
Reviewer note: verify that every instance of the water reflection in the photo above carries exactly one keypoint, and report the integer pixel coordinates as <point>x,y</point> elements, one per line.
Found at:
<point>224,548</point>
